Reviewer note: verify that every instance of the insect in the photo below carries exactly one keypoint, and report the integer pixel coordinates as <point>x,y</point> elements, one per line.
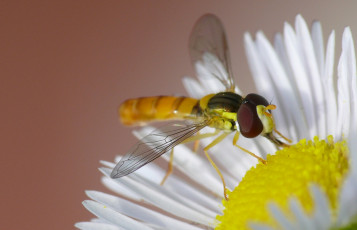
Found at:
<point>226,111</point>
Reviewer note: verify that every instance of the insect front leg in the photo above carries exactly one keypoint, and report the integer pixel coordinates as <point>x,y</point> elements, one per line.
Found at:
<point>235,140</point>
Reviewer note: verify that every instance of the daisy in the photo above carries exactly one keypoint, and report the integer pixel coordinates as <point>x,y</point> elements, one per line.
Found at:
<point>309,185</point>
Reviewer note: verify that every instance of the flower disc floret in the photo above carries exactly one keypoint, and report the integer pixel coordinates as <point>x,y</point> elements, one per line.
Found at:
<point>288,173</point>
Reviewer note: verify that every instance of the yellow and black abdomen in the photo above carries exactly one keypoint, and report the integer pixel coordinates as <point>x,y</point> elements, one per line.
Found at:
<point>145,109</point>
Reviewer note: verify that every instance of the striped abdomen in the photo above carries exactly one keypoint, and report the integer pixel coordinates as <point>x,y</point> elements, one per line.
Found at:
<point>145,109</point>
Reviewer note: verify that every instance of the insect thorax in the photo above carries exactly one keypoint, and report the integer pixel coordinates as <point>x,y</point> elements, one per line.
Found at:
<point>222,109</point>
<point>227,101</point>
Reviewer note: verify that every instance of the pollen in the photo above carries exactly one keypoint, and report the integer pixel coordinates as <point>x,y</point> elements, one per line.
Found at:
<point>287,174</point>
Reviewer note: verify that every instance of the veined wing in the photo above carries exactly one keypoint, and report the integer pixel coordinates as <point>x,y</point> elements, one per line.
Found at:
<point>154,145</point>
<point>209,38</point>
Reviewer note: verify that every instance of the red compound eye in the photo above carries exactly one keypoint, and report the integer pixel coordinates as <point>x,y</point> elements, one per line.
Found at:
<point>249,123</point>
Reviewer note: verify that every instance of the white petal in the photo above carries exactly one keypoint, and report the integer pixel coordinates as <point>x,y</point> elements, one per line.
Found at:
<point>207,79</point>
<point>162,198</point>
<point>124,190</point>
<point>308,58</point>
<point>112,216</point>
<point>318,44</point>
<point>347,209</point>
<point>291,113</point>
<point>348,48</point>
<point>281,88</point>
<point>302,220</point>
<point>95,226</point>
<point>138,212</point>
<point>109,164</point>
<point>322,213</point>
<point>180,186</point>
<point>328,84</point>
<point>193,88</point>
<point>153,174</point>
<point>343,85</point>
<point>280,217</point>
<point>320,219</point>
<point>256,226</point>
<point>255,63</point>
<point>347,200</point>
<point>352,146</point>
<point>300,76</point>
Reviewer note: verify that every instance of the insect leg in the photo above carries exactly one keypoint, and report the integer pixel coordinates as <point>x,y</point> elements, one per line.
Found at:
<point>169,169</point>
<point>200,136</point>
<point>213,143</point>
<point>196,139</point>
<point>196,144</point>
<point>281,135</point>
<point>235,140</point>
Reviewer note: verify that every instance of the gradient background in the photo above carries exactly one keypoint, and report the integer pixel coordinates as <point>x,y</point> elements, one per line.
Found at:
<point>65,67</point>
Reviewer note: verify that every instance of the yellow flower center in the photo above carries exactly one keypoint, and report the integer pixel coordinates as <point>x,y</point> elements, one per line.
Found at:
<point>288,173</point>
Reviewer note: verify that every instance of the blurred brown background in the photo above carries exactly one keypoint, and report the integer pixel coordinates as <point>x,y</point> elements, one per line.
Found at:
<point>65,66</point>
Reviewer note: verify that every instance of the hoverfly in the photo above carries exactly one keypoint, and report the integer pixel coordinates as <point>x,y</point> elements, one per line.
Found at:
<point>226,111</point>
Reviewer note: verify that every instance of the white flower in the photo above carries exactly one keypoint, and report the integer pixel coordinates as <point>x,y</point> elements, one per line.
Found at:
<point>297,63</point>
<point>297,73</point>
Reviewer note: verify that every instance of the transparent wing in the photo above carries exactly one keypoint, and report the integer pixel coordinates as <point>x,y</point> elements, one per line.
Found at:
<point>209,38</point>
<point>154,145</point>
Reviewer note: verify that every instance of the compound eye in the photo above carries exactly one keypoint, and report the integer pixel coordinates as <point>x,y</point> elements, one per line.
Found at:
<point>249,123</point>
<point>256,99</point>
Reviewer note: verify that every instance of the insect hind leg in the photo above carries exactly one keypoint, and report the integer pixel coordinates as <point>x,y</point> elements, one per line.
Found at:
<point>170,167</point>
<point>213,143</point>
<point>196,138</point>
